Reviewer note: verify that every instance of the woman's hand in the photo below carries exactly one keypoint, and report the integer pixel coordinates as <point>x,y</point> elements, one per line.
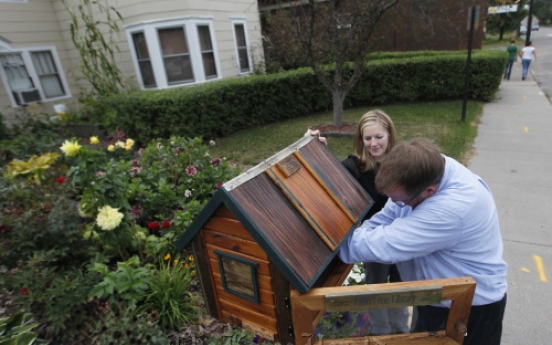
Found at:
<point>316,133</point>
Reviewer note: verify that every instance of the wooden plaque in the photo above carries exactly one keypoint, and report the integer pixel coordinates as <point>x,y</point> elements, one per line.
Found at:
<point>384,299</point>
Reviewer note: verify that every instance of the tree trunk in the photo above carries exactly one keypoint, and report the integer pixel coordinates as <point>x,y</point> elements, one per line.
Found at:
<point>501,34</point>
<point>337,108</point>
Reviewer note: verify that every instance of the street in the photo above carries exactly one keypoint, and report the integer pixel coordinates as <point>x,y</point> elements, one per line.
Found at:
<point>542,70</point>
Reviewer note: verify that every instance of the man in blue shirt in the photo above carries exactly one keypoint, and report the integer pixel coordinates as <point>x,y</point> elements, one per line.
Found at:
<point>440,222</point>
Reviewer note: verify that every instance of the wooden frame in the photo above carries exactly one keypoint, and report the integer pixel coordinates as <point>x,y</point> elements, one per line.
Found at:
<point>307,309</point>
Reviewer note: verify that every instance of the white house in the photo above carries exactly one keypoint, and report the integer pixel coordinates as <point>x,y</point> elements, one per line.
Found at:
<point>163,44</point>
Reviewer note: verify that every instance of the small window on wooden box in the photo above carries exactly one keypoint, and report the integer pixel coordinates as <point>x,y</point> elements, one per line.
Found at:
<point>239,276</point>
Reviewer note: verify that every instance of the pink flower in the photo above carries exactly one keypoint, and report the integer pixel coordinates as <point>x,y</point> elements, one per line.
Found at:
<point>141,151</point>
<point>134,171</point>
<point>100,174</point>
<point>178,151</point>
<point>216,162</point>
<point>191,171</point>
<point>188,193</point>
<point>60,179</point>
<point>136,163</point>
<point>136,211</point>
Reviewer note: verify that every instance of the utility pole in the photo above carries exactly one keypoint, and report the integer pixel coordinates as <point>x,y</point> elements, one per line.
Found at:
<point>529,23</point>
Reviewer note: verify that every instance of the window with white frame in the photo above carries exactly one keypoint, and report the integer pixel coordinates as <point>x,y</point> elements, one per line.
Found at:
<point>13,0</point>
<point>174,53</point>
<point>33,76</point>
<point>242,48</point>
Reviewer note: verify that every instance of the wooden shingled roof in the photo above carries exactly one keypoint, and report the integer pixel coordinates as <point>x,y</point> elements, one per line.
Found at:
<point>298,205</point>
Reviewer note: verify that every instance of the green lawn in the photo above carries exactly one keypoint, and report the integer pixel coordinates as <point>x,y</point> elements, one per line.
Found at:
<point>440,121</point>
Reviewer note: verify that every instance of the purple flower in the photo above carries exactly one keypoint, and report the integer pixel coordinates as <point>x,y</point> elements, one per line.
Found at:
<point>216,162</point>
<point>191,171</point>
<point>136,163</point>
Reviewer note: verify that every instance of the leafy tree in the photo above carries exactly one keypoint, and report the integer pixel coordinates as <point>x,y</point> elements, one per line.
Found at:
<point>335,32</point>
<point>501,23</point>
<point>543,10</point>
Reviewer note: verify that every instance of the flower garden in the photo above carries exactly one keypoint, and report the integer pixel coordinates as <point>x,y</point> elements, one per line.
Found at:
<point>88,233</point>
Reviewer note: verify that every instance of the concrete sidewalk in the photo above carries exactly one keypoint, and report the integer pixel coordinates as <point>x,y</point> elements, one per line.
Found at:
<point>513,154</point>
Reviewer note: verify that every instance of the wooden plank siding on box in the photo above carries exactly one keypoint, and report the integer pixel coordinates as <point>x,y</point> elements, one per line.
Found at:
<point>275,227</point>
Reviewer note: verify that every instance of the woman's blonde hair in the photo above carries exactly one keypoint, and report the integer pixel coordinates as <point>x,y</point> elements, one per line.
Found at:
<point>366,160</point>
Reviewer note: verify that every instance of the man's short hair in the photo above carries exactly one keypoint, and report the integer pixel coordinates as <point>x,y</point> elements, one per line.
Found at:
<point>412,165</point>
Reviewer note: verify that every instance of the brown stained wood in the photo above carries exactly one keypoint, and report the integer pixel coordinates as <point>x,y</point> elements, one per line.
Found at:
<point>458,316</point>
<point>266,296</point>
<point>314,203</point>
<point>262,308</point>
<point>281,288</point>
<point>336,177</point>
<point>289,165</point>
<point>423,338</point>
<point>459,290</point>
<point>230,226</point>
<point>344,208</point>
<point>315,299</point>
<point>202,264</point>
<point>285,229</point>
<point>248,315</point>
<point>223,211</point>
<point>335,274</point>
<point>234,244</point>
<point>262,267</point>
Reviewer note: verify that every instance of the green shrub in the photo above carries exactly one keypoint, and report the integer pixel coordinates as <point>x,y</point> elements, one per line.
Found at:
<point>223,107</point>
<point>170,295</point>
<point>16,329</point>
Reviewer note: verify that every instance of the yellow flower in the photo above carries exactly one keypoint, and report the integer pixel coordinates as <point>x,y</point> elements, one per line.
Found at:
<point>120,144</point>
<point>111,148</point>
<point>167,257</point>
<point>193,273</point>
<point>94,140</point>
<point>191,258</point>
<point>129,143</point>
<point>175,262</point>
<point>185,266</point>
<point>70,148</point>
<point>128,148</point>
<point>108,217</point>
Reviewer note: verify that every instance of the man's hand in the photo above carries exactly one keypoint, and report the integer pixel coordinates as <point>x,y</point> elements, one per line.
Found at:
<point>316,133</point>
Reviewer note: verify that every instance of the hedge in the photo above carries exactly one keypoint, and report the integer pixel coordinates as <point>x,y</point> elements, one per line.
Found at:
<point>223,107</point>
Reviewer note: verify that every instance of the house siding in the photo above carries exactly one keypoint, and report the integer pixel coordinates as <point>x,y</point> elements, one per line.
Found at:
<point>47,23</point>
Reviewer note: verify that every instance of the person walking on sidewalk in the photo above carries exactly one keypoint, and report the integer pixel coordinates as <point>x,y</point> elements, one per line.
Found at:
<point>512,57</point>
<point>527,54</point>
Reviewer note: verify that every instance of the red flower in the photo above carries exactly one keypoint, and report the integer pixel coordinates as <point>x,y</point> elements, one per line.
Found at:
<point>153,225</point>
<point>191,171</point>
<point>24,291</point>
<point>45,207</point>
<point>218,185</point>
<point>4,229</point>
<point>166,224</point>
<point>60,179</point>
<point>216,162</point>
